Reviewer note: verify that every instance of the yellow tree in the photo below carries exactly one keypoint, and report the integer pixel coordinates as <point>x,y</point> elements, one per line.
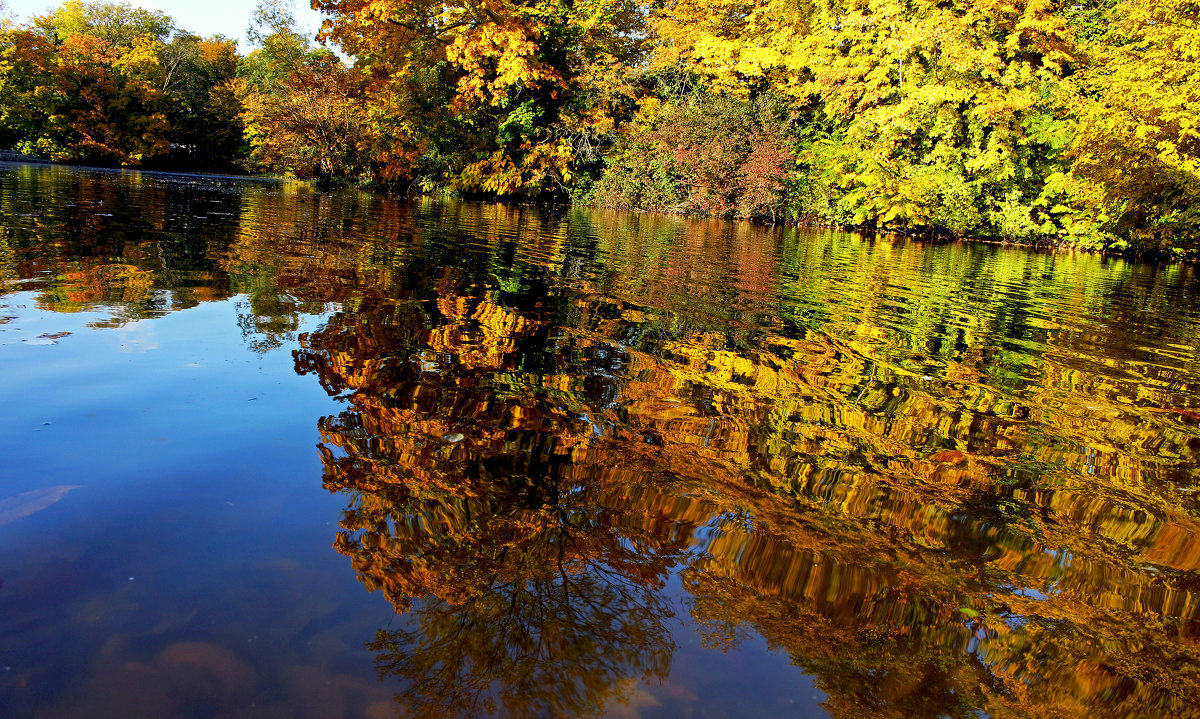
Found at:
<point>1137,148</point>
<point>26,64</point>
<point>945,114</point>
<point>111,101</point>
<point>487,95</point>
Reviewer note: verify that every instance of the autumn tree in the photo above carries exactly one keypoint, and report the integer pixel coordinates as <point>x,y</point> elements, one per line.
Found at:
<point>83,83</point>
<point>202,107</point>
<point>114,84</point>
<point>97,95</point>
<point>500,97</point>
<point>299,104</point>
<point>115,24</point>
<point>27,63</point>
<point>944,115</point>
<point>109,108</point>
<point>1136,150</point>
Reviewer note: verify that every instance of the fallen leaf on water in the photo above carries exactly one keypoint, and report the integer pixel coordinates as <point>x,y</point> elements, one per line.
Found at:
<point>28,503</point>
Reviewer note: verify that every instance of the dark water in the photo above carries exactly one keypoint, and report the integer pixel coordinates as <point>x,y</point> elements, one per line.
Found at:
<point>276,453</point>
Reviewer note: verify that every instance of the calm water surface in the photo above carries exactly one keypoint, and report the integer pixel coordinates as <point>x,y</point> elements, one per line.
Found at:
<point>275,453</point>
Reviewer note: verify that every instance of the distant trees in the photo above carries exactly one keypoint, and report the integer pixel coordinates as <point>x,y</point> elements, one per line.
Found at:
<point>202,106</point>
<point>112,84</point>
<point>84,84</point>
<point>107,84</point>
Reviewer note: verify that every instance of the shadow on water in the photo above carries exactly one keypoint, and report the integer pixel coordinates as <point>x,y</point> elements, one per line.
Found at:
<point>583,453</point>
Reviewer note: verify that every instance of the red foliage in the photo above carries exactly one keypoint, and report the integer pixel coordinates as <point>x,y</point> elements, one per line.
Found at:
<point>722,156</point>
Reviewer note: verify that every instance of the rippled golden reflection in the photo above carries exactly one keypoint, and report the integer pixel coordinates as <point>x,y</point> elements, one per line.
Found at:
<point>941,479</point>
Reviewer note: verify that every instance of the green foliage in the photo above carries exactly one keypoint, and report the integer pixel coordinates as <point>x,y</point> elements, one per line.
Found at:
<point>202,109</point>
<point>281,51</point>
<point>636,177</point>
<point>117,24</point>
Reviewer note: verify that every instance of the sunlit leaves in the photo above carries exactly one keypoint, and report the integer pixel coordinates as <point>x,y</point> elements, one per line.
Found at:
<point>488,96</point>
<point>1027,119</point>
<point>1138,138</point>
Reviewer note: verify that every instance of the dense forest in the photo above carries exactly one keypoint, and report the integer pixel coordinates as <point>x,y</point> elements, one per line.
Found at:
<point>1069,122</point>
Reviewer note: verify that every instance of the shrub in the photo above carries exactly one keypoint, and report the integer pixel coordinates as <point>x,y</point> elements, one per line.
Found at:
<point>725,156</point>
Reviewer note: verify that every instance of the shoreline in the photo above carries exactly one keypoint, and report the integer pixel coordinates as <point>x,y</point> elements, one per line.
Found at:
<point>1142,254</point>
<point>157,172</point>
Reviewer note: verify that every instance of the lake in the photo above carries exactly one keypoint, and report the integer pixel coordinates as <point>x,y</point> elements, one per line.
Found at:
<point>273,452</point>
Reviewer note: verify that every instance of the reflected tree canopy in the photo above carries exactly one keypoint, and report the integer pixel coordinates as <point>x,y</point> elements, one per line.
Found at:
<point>532,582</point>
<point>942,480</point>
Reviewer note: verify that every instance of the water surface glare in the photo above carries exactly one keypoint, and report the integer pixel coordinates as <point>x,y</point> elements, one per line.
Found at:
<point>584,464</point>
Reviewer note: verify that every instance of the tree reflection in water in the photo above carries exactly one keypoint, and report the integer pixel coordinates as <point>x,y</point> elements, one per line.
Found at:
<point>523,479</point>
<point>550,632</point>
<point>532,588</point>
<point>942,480</point>
<point>529,593</point>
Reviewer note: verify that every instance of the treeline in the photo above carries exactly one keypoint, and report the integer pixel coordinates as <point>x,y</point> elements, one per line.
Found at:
<point>1037,120</point>
<point>111,84</point>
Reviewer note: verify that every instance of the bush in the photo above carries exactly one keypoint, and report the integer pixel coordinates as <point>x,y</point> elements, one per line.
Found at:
<point>724,156</point>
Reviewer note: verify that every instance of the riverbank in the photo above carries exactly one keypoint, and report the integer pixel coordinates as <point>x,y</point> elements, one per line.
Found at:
<point>14,156</point>
<point>1113,247</point>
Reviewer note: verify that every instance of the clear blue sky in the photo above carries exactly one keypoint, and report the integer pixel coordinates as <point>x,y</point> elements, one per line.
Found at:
<point>203,17</point>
